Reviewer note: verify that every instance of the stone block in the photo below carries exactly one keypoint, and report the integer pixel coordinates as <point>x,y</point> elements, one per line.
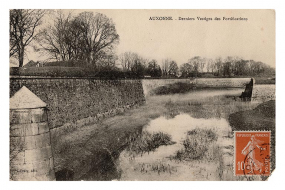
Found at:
<point>38,115</point>
<point>18,130</point>
<point>37,141</point>
<point>30,142</point>
<point>51,163</point>
<point>20,116</point>
<point>28,129</point>
<point>17,157</point>
<point>22,166</point>
<point>17,143</point>
<point>43,127</point>
<point>32,129</point>
<point>24,99</point>
<point>42,168</point>
<point>35,155</point>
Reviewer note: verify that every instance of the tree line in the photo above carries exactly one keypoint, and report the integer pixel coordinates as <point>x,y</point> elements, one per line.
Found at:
<point>132,62</point>
<point>89,39</point>
<point>227,67</point>
<point>86,37</point>
<point>195,67</point>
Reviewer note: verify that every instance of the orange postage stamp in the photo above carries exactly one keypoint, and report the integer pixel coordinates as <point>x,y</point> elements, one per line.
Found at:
<point>252,153</point>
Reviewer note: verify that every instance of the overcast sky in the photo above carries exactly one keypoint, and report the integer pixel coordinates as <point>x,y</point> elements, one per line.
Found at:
<point>181,40</point>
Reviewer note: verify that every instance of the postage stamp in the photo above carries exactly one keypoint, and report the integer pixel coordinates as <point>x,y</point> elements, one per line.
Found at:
<point>252,153</point>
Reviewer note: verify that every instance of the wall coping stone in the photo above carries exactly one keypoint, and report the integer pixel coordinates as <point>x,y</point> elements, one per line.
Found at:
<point>25,99</point>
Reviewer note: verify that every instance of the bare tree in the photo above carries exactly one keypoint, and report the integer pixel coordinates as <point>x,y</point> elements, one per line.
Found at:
<point>107,59</point>
<point>128,59</point>
<point>198,64</point>
<point>55,40</point>
<point>218,65</point>
<point>154,69</point>
<point>122,61</point>
<point>210,65</point>
<point>165,66</point>
<point>23,25</point>
<point>186,69</point>
<point>87,37</point>
<point>98,32</point>
<point>173,69</point>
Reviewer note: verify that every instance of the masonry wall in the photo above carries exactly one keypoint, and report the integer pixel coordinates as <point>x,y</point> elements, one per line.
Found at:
<point>150,84</point>
<point>222,82</point>
<point>72,99</point>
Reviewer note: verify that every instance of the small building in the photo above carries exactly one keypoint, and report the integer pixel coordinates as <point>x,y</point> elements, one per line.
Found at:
<point>34,64</point>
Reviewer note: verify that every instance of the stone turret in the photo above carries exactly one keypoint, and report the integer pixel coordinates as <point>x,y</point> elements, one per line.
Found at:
<point>31,156</point>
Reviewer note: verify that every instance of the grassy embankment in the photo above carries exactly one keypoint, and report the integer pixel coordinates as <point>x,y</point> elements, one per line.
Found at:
<point>260,118</point>
<point>91,151</point>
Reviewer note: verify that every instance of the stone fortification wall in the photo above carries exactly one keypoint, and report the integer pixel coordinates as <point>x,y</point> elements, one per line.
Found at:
<point>151,84</point>
<point>71,100</point>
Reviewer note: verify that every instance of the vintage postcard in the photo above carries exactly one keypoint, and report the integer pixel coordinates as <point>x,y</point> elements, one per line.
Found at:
<point>142,95</point>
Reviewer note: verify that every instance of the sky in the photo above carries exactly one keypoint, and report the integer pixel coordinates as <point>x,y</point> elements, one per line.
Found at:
<point>181,40</point>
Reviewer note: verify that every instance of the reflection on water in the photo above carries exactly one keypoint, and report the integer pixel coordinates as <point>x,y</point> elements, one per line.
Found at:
<point>217,161</point>
<point>177,127</point>
<point>194,110</point>
<point>171,115</point>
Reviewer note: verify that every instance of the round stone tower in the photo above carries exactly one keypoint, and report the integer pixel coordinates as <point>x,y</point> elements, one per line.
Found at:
<point>31,156</point>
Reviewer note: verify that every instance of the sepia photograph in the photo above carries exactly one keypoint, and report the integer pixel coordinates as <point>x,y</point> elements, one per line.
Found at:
<point>142,94</point>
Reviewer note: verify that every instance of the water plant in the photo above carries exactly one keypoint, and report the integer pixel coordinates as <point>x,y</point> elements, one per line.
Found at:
<point>196,144</point>
<point>146,142</point>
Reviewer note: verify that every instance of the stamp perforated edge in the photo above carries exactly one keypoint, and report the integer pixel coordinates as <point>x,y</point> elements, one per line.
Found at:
<point>250,131</point>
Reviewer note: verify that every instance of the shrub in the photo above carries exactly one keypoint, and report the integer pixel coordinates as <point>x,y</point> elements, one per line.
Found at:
<point>196,144</point>
<point>146,142</point>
